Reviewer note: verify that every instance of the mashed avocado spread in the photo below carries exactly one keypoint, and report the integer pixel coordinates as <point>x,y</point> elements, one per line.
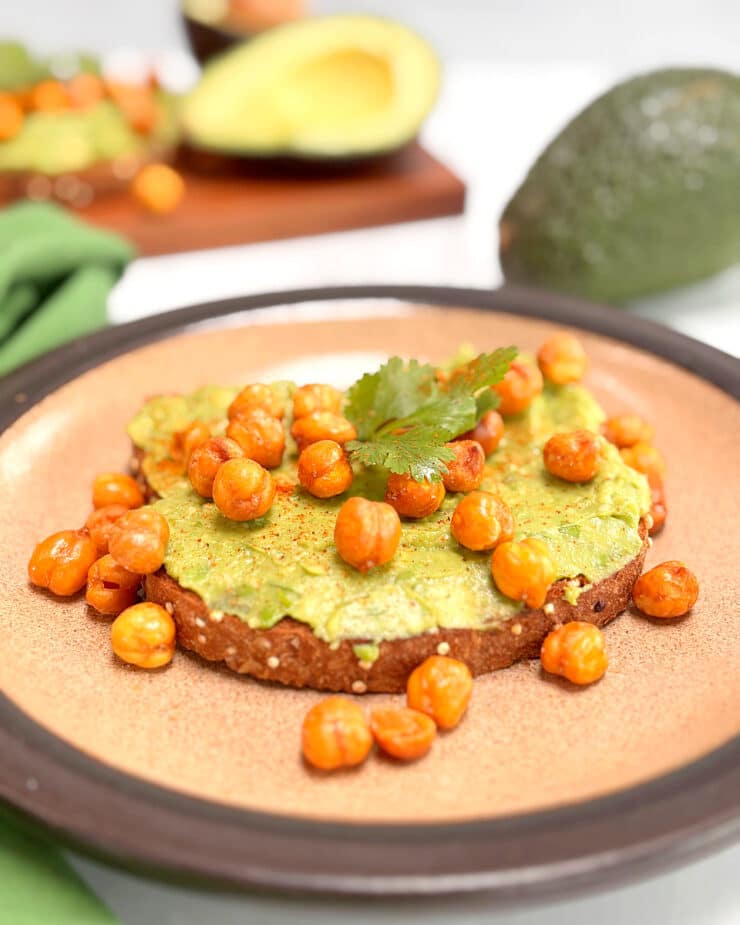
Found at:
<point>285,563</point>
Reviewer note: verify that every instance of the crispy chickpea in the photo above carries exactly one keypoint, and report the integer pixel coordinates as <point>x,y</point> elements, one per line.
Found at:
<point>185,442</point>
<point>261,437</point>
<point>465,471</point>
<point>243,490</point>
<point>49,96</point>
<point>366,533</point>
<point>482,521</point>
<point>158,188</point>
<point>11,116</point>
<point>574,456</point>
<point>562,359</point>
<point>668,590</point>
<point>110,587</point>
<point>488,432</point>
<point>85,90</point>
<point>207,459</point>
<point>324,469</point>
<point>440,687</point>
<point>316,397</point>
<point>519,387</point>
<point>144,635</point>
<point>523,571</point>
<point>575,651</point>
<point>322,425</point>
<point>61,562</point>
<point>658,505</point>
<point>100,522</point>
<point>645,458</point>
<point>411,498</point>
<point>627,430</point>
<point>335,734</point>
<point>138,540</point>
<point>257,395</point>
<point>116,488</point>
<point>403,733</point>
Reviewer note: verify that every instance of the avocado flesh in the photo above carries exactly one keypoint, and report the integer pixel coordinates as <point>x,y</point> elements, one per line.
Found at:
<point>639,193</point>
<point>337,87</point>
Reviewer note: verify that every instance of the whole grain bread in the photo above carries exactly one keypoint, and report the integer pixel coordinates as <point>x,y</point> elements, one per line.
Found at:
<point>290,653</point>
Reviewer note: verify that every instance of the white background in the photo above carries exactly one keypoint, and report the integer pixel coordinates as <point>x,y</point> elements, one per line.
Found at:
<point>515,72</point>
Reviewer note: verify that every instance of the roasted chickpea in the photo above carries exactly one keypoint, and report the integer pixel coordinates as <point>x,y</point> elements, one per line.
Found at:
<point>335,735</point>
<point>645,458</point>
<point>110,587</point>
<point>11,116</point>
<point>49,96</point>
<point>158,188</point>
<point>523,571</point>
<point>61,562</point>
<point>411,498</point>
<point>257,395</point>
<point>185,442</point>
<point>574,456</point>
<point>144,635</point>
<point>668,590</point>
<point>207,459</point>
<point>562,359</point>
<point>324,469</point>
<point>519,387</point>
<point>100,522</point>
<point>441,687</point>
<point>316,397</point>
<point>322,425</point>
<point>116,488</point>
<point>658,505</point>
<point>243,490</point>
<point>402,733</point>
<point>138,540</point>
<point>482,521</point>
<point>261,437</point>
<point>366,533</point>
<point>488,432</point>
<point>465,471</point>
<point>575,651</point>
<point>627,429</point>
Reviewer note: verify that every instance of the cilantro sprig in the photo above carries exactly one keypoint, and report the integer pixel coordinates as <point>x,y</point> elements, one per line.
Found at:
<point>404,416</point>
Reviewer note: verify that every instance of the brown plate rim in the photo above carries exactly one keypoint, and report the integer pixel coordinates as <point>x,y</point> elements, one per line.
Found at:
<point>626,835</point>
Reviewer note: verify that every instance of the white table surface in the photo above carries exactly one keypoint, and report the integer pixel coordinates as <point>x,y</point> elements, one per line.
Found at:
<point>490,124</point>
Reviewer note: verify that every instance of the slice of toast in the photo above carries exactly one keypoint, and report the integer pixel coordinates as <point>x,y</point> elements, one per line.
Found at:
<point>290,653</point>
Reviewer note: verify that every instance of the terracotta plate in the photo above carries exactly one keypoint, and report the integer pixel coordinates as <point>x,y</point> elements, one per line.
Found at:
<point>197,770</point>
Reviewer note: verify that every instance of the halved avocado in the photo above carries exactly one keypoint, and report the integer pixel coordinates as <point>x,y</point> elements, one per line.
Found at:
<point>336,87</point>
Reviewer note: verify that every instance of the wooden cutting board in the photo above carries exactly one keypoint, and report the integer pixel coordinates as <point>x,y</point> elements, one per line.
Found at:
<point>238,202</point>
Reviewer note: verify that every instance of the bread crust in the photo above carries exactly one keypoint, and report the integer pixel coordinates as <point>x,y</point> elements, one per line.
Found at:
<point>290,653</point>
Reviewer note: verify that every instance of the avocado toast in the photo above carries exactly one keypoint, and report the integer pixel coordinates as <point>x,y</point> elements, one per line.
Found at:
<point>272,598</point>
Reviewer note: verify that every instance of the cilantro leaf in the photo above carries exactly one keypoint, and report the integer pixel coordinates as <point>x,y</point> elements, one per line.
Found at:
<point>484,371</point>
<point>403,417</point>
<point>417,454</point>
<point>395,390</point>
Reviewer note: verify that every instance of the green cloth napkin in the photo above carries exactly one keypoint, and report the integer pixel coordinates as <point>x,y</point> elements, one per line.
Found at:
<point>55,276</point>
<point>38,887</point>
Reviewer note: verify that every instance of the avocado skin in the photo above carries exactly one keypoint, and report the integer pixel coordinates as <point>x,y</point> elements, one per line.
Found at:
<point>639,193</point>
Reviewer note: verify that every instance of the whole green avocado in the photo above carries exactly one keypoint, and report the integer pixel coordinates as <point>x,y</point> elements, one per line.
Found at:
<point>639,193</point>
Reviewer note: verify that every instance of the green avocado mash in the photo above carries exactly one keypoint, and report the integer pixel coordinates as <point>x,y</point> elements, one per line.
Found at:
<point>285,563</point>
